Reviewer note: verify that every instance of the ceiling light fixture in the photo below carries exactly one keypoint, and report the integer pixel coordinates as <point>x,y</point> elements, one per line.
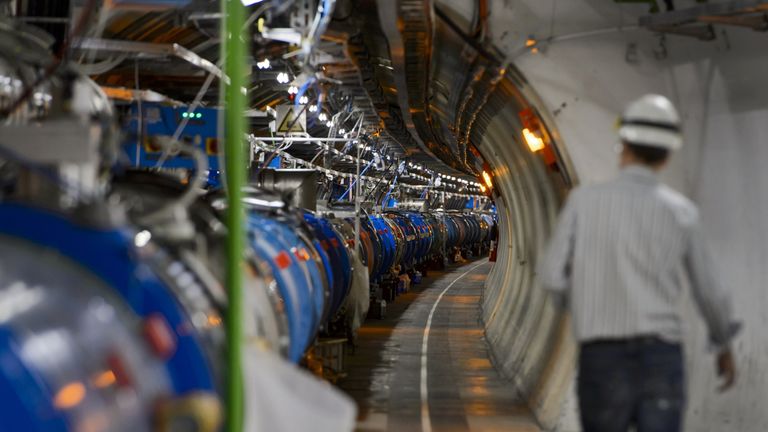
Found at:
<point>534,142</point>
<point>487,180</point>
<point>283,78</point>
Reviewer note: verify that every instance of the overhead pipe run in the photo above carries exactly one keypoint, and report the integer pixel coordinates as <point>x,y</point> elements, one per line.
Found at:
<point>408,29</point>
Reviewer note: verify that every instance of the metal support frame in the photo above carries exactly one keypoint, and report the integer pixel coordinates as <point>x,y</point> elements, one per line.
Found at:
<point>259,144</point>
<point>150,50</point>
<point>445,224</point>
<point>358,197</point>
<point>697,21</point>
<point>303,139</point>
<point>758,22</point>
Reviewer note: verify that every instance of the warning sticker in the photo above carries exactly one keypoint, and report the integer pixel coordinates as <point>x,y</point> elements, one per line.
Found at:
<point>290,119</point>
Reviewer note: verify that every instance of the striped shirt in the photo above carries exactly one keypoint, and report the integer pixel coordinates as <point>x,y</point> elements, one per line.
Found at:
<point>617,257</point>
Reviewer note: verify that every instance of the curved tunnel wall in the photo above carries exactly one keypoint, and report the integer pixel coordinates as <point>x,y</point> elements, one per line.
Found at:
<point>524,331</point>
<point>584,84</point>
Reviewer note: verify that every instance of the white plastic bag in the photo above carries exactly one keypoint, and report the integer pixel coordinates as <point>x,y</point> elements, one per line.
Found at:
<point>280,397</point>
<point>359,299</point>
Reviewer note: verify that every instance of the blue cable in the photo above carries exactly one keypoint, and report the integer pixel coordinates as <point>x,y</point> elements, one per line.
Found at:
<point>392,186</point>
<point>326,7</point>
<point>302,90</point>
<point>355,182</point>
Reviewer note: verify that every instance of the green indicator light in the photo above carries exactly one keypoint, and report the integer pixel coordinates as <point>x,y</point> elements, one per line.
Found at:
<point>199,115</point>
<point>185,114</point>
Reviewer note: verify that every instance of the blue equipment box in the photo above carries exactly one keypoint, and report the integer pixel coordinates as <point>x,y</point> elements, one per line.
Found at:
<point>159,124</point>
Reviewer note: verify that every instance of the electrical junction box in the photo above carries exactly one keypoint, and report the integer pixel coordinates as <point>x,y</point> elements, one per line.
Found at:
<point>147,4</point>
<point>150,144</point>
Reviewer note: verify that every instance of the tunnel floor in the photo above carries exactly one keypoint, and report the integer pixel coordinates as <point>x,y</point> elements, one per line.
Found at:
<point>463,389</point>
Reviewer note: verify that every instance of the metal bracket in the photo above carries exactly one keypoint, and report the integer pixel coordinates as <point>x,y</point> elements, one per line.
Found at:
<point>697,21</point>
<point>145,49</point>
<point>701,32</point>
<point>755,22</point>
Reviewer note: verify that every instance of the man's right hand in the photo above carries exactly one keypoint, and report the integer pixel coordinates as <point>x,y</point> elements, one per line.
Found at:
<point>726,369</point>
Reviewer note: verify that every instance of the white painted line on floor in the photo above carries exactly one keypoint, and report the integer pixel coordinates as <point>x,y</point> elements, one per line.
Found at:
<point>426,422</point>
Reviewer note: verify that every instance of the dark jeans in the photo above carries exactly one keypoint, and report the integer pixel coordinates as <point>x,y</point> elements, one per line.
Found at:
<point>631,382</point>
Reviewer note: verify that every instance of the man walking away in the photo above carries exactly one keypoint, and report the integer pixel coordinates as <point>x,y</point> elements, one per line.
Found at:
<point>615,259</point>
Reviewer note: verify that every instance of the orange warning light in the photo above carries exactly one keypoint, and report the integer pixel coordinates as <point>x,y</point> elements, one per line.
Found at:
<point>69,396</point>
<point>104,379</point>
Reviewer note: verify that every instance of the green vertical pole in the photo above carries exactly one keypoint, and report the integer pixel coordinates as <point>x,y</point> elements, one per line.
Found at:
<point>235,49</point>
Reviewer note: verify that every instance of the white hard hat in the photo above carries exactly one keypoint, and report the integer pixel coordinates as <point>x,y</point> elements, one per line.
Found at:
<point>652,121</point>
